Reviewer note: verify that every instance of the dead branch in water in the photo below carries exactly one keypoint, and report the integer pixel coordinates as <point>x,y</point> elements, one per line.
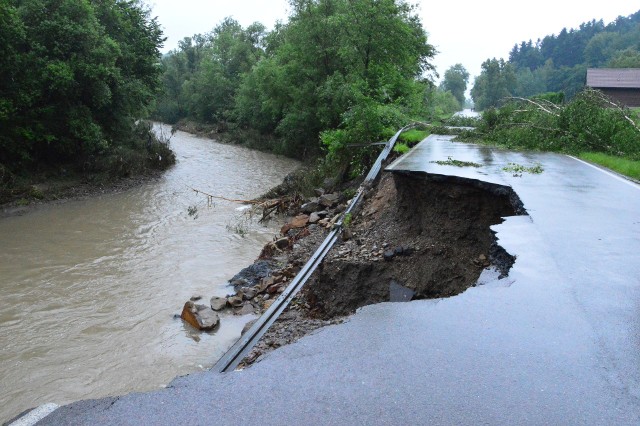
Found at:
<point>276,205</point>
<point>218,197</point>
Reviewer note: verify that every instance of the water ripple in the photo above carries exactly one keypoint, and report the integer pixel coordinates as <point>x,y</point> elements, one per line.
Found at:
<point>89,288</point>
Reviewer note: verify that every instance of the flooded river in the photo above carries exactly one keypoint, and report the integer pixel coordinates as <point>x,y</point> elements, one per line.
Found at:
<point>90,287</point>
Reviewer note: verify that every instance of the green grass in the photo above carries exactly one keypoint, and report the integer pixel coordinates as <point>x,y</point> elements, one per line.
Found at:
<point>412,137</point>
<point>623,166</point>
<point>346,222</point>
<point>401,148</point>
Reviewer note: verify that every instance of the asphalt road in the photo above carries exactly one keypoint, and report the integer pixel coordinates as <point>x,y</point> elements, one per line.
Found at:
<point>556,342</point>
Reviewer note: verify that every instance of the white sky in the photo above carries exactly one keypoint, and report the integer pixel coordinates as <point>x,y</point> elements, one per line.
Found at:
<point>464,31</point>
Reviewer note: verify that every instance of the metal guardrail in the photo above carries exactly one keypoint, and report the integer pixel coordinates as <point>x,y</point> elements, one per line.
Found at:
<point>232,358</point>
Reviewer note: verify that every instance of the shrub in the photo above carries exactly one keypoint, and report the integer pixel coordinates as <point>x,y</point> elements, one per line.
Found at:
<point>556,98</point>
<point>401,148</point>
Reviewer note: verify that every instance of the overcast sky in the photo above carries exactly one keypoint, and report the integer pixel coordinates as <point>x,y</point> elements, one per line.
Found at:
<point>464,31</point>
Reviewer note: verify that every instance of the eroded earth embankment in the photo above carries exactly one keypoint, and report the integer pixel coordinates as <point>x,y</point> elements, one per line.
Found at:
<point>430,237</point>
<point>414,236</point>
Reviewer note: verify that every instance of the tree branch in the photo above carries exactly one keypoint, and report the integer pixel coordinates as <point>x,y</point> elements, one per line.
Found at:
<point>608,101</point>
<point>540,107</point>
<point>217,197</point>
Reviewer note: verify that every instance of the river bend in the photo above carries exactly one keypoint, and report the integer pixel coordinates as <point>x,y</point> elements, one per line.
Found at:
<point>90,287</point>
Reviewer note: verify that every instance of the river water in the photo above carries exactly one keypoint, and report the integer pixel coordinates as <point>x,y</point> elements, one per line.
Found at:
<point>90,287</point>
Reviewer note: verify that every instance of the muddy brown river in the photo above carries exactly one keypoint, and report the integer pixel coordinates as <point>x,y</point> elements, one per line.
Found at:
<point>90,287</point>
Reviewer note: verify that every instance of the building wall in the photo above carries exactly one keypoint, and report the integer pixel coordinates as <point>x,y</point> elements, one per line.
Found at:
<point>628,97</point>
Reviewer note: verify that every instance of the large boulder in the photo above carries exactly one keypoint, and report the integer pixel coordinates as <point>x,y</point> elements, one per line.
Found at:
<point>252,274</point>
<point>314,217</point>
<point>310,207</point>
<point>249,293</point>
<point>282,243</point>
<point>299,221</point>
<point>329,200</point>
<point>201,317</point>
<point>218,303</point>
<point>246,309</point>
<point>235,301</point>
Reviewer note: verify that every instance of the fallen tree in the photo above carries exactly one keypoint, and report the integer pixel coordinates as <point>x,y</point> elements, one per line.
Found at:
<point>591,122</point>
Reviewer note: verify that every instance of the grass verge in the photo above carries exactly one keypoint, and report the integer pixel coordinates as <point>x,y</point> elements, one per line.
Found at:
<point>623,166</point>
<point>413,136</point>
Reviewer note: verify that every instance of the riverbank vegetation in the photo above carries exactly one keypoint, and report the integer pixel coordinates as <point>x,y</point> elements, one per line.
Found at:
<point>558,63</point>
<point>77,78</point>
<point>337,73</point>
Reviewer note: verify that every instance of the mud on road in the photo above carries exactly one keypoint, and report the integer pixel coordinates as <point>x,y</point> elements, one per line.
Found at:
<point>415,236</point>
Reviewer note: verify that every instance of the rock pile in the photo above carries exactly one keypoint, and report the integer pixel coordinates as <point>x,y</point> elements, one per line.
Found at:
<point>410,239</point>
<point>257,286</point>
<point>246,300</point>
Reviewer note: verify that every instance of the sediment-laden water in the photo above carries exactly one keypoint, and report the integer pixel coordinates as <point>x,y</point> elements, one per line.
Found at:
<point>89,288</point>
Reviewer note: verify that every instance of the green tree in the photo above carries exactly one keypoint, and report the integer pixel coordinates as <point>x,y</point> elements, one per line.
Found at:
<point>561,59</point>
<point>599,49</point>
<point>202,76</point>
<point>527,55</point>
<point>83,73</point>
<point>346,69</point>
<point>348,64</point>
<point>12,36</point>
<point>628,58</point>
<point>529,82</point>
<point>138,39</point>
<point>442,103</point>
<point>496,81</point>
<point>455,81</point>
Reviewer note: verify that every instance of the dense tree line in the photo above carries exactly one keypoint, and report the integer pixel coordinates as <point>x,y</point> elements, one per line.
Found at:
<point>76,76</point>
<point>202,76</point>
<point>338,71</point>
<point>558,63</point>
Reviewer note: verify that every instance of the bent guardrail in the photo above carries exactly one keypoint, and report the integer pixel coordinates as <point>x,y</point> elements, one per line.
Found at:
<point>232,358</point>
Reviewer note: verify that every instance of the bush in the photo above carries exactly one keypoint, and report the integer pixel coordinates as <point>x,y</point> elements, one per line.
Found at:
<point>365,123</point>
<point>556,98</point>
<point>413,136</point>
<point>143,152</point>
<point>401,148</point>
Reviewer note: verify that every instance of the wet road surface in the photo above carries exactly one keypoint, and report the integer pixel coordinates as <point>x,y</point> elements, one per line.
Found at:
<point>556,342</point>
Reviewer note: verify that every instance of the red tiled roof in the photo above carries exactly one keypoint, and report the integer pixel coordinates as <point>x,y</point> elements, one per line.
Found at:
<point>628,78</point>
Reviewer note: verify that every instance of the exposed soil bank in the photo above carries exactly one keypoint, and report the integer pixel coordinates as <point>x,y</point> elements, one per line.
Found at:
<point>434,237</point>
<point>143,157</point>
<point>199,129</point>
<point>60,190</point>
<point>415,236</point>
